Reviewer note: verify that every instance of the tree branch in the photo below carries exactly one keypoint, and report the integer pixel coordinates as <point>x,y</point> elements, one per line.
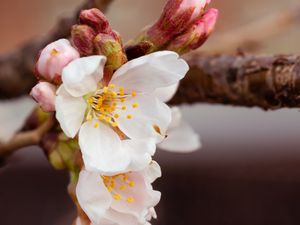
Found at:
<point>270,82</point>
<point>26,138</point>
<point>17,68</point>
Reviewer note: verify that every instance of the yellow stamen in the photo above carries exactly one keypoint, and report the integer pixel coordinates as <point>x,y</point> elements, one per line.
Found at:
<point>96,125</point>
<point>116,116</point>
<point>89,118</point>
<point>54,52</point>
<point>124,107</point>
<point>133,93</point>
<point>112,86</point>
<point>135,105</point>
<point>130,200</point>
<point>129,117</point>
<point>121,89</point>
<point>131,183</point>
<point>117,197</point>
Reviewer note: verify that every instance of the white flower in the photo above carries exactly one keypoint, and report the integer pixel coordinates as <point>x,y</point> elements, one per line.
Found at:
<point>180,135</point>
<point>126,103</point>
<point>123,199</point>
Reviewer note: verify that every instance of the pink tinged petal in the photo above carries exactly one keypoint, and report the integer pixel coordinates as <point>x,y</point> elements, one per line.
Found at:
<point>113,217</point>
<point>54,57</point>
<point>70,111</point>
<point>82,75</point>
<point>180,136</point>
<point>102,149</point>
<point>44,94</point>
<point>145,74</point>
<point>141,152</point>
<point>92,195</point>
<point>165,94</point>
<point>140,192</point>
<point>149,120</point>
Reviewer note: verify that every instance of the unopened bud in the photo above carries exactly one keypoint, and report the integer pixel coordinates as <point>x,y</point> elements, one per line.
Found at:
<point>110,47</point>
<point>44,94</point>
<point>83,37</point>
<point>96,20</point>
<point>53,58</point>
<point>177,16</point>
<point>198,33</point>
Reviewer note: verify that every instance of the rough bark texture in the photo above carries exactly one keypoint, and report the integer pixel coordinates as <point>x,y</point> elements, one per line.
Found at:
<point>269,82</point>
<point>17,68</point>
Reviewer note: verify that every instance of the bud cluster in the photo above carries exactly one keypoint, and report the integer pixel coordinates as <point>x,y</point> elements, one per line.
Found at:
<point>94,35</point>
<point>183,26</point>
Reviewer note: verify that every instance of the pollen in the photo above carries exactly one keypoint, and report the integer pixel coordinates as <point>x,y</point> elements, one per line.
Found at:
<point>129,117</point>
<point>114,124</point>
<point>101,117</point>
<point>121,89</point>
<point>133,93</point>
<point>105,90</point>
<point>123,99</point>
<point>54,52</point>
<point>135,105</point>
<point>116,116</point>
<point>130,199</point>
<point>123,188</point>
<point>131,184</point>
<point>96,125</point>
<point>112,86</point>
<point>117,197</point>
<point>89,117</point>
<point>123,107</point>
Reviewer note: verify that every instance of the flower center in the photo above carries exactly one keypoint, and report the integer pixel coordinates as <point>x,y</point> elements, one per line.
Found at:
<point>105,101</point>
<point>117,185</point>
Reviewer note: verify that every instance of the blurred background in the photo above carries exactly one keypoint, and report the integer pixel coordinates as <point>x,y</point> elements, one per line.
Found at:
<point>247,173</point>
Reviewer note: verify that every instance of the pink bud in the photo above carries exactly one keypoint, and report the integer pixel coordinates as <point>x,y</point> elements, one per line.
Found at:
<point>196,35</point>
<point>95,19</point>
<point>53,58</point>
<point>177,16</point>
<point>44,94</point>
<point>83,37</point>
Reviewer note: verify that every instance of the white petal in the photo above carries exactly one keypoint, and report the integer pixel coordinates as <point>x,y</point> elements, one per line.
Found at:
<point>149,120</point>
<point>152,172</point>
<point>101,148</point>
<point>141,152</point>
<point>113,217</point>
<point>180,136</point>
<point>70,111</point>
<point>82,75</point>
<point>145,74</point>
<point>165,94</point>
<point>92,195</point>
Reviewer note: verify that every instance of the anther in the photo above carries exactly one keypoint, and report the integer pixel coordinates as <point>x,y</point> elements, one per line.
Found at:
<point>130,200</point>
<point>135,105</point>
<point>129,117</point>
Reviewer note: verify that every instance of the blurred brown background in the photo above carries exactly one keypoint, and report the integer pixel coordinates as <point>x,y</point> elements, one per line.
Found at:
<point>247,173</point>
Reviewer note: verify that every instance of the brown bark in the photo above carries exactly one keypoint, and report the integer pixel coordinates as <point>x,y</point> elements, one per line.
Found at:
<point>269,82</point>
<point>17,68</point>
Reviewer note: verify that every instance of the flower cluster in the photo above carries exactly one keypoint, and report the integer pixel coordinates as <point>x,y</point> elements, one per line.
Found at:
<point>117,112</point>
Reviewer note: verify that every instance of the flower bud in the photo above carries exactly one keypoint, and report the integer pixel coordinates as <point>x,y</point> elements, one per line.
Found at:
<point>44,94</point>
<point>82,38</point>
<point>198,33</point>
<point>177,16</point>
<point>110,47</point>
<point>53,58</point>
<point>96,20</point>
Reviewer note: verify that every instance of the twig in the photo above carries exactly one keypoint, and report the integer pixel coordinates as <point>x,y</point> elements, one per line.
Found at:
<point>17,68</point>
<point>270,82</point>
<point>26,138</point>
<point>252,35</point>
